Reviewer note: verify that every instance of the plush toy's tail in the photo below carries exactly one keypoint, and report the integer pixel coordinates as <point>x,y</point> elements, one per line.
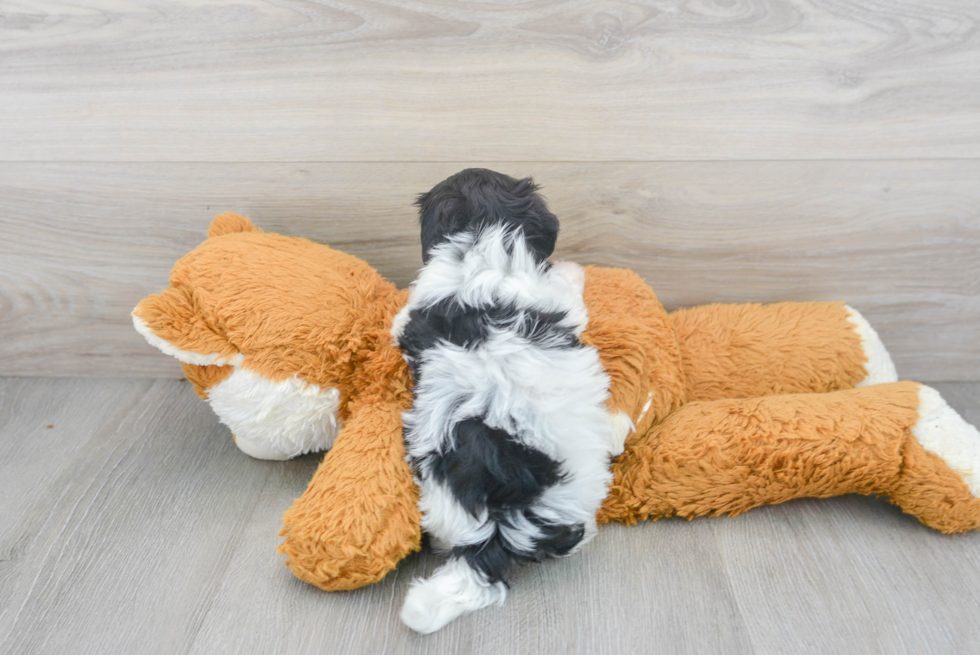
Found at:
<point>229,223</point>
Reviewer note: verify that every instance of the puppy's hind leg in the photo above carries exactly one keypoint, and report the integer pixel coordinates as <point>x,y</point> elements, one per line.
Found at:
<point>453,590</point>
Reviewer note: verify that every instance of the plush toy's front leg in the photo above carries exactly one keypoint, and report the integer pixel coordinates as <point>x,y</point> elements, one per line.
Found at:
<point>746,351</point>
<point>359,516</point>
<point>725,457</point>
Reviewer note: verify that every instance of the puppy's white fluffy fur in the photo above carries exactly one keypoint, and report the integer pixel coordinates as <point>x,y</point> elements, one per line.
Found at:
<point>553,400</point>
<point>453,590</point>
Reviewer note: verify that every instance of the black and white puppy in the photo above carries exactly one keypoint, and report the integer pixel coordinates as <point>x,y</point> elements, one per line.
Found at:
<point>509,436</point>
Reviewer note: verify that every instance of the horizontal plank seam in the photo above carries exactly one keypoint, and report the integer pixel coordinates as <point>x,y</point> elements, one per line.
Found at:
<point>490,161</point>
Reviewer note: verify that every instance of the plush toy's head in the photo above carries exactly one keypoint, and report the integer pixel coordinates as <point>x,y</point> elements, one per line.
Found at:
<point>275,332</point>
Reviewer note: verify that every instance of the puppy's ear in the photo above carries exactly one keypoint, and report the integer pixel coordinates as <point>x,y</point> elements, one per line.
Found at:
<point>540,226</point>
<point>441,213</point>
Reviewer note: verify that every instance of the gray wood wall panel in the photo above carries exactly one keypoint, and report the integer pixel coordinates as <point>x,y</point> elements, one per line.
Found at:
<point>729,151</point>
<point>83,242</point>
<point>435,80</point>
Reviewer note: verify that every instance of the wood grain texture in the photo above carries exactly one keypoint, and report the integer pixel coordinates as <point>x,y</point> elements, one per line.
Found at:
<point>56,420</point>
<point>120,553</point>
<point>437,80</point>
<point>158,536</point>
<point>900,241</point>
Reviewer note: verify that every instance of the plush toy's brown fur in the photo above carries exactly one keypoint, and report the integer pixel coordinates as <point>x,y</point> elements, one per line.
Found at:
<point>726,456</point>
<point>734,406</point>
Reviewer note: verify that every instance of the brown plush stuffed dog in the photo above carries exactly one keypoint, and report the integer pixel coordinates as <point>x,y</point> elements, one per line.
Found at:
<point>734,406</point>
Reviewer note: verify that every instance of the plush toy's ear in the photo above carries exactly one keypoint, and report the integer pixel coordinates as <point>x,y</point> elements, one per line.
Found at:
<point>359,516</point>
<point>170,322</point>
<point>173,322</point>
<point>230,223</point>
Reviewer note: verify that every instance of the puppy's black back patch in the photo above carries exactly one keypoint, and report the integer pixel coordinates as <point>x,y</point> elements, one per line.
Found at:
<point>444,321</point>
<point>447,321</point>
<point>487,468</point>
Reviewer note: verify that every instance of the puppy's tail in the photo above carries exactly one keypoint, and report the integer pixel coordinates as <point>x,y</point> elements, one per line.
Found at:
<point>453,590</point>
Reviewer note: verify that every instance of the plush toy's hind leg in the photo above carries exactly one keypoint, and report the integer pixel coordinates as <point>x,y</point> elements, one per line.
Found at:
<point>745,351</point>
<point>940,481</point>
<point>724,457</point>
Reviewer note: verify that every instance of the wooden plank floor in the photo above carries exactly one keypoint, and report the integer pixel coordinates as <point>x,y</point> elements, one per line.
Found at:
<point>129,522</point>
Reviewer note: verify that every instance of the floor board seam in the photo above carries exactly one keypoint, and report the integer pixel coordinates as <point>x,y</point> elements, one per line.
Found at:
<point>220,578</point>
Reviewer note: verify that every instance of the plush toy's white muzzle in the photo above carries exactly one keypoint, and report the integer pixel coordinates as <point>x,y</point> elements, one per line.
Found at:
<point>276,420</point>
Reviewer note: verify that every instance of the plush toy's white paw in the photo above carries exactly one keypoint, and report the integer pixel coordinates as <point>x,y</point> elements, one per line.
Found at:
<point>276,420</point>
<point>453,590</point>
<point>943,432</point>
<point>880,368</point>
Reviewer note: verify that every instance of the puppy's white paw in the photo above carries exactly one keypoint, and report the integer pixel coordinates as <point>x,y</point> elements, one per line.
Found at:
<point>453,590</point>
<point>399,323</point>
<point>620,427</point>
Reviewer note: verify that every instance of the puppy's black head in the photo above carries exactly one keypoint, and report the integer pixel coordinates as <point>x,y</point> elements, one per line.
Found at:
<point>476,198</point>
